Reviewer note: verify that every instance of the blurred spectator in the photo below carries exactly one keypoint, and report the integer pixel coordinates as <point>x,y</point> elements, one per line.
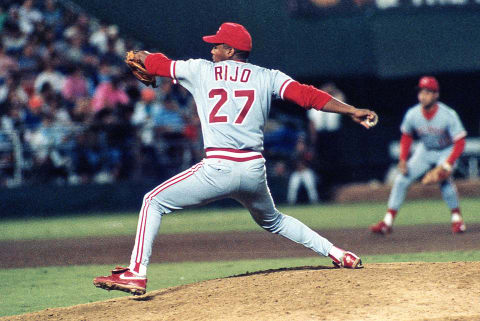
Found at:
<point>109,94</point>
<point>7,63</point>
<point>13,118</point>
<point>87,157</point>
<point>13,39</point>
<point>52,14</point>
<point>302,174</point>
<point>48,144</point>
<point>99,38</point>
<point>325,136</point>
<point>115,137</point>
<point>75,86</point>
<point>33,114</point>
<point>76,50</point>
<point>144,115</point>
<point>79,29</point>
<point>170,127</point>
<point>104,72</point>
<point>28,16</point>
<point>9,85</point>
<point>325,122</point>
<point>82,111</point>
<point>110,56</point>
<point>29,61</point>
<point>169,119</point>
<point>280,138</point>
<point>53,104</point>
<point>11,89</point>
<point>51,76</point>
<point>118,43</point>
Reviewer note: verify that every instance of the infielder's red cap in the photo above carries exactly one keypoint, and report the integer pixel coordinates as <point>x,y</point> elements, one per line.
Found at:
<point>428,82</point>
<point>232,34</point>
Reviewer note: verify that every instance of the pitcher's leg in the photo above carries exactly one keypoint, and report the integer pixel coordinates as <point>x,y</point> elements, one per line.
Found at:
<point>261,207</point>
<point>294,230</point>
<point>148,225</point>
<point>196,186</point>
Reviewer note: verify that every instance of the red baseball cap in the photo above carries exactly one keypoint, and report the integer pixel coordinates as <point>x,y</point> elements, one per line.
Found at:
<point>428,82</point>
<point>232,34</point>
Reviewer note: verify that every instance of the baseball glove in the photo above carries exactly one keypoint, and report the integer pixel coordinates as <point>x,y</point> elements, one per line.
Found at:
<point>138,69</point>
<point>436,175</point>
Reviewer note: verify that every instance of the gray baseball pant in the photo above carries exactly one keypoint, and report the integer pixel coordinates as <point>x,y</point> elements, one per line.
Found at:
<point>213,179</point>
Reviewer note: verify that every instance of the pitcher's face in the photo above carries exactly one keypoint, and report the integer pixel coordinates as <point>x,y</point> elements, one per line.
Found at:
<point>220,53</point>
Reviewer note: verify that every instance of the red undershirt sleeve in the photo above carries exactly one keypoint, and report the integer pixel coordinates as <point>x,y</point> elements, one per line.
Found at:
<point>457,150</point>
<point>405,143</point>
<point>306,96</point>
<point>158,64</point>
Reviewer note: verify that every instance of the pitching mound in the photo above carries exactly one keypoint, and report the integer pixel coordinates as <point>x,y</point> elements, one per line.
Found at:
<point>396,291</point>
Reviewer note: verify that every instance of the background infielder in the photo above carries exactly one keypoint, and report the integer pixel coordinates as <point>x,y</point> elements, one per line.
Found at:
<point>233,100</point>
<point>442,140</point>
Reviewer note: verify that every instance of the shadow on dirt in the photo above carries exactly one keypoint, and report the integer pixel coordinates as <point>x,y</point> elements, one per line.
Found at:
<point>298,268</point>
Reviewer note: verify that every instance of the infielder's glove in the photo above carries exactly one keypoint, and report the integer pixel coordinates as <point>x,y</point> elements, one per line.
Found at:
<point>437,175</point>
<point>139,70</point>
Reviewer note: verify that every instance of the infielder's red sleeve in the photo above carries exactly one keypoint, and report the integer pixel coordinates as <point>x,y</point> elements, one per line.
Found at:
<point>306,96</point>
<point>457,150</point>
<point>158,64</point>
<point>405,144</point>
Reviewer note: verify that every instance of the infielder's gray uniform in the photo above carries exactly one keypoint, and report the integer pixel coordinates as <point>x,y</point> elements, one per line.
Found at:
<point>233,101</point>
<point>436,143</point>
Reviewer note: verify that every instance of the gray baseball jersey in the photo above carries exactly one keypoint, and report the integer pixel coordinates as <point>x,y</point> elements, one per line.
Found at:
<point>233,101</point>
<point>437,133</point>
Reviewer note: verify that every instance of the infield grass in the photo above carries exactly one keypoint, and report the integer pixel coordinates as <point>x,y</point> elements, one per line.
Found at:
<point>237,219</point>
<point>32,289</point>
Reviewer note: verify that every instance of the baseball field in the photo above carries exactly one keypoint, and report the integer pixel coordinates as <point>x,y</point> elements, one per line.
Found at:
<point>216,264</point>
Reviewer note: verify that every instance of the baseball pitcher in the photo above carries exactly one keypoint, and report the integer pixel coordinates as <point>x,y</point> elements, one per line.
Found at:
<point>442,140</point>
<point>233,99</point>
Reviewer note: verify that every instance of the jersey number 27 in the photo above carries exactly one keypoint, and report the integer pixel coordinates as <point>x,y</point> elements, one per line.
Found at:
<point>238,94</point>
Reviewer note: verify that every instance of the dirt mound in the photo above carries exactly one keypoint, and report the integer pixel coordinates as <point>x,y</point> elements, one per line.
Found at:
<point>395,291</point>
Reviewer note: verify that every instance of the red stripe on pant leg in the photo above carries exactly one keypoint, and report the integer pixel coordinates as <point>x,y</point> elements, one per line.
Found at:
<point>137,267</point>
<point>173,183</point>
<point>194,167</point>
<point>158,189</point>
<point>139,260</point>
<point>140,225</point>
<point>142,237</point>
<point>141,231</point>
<point>147,199</point>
